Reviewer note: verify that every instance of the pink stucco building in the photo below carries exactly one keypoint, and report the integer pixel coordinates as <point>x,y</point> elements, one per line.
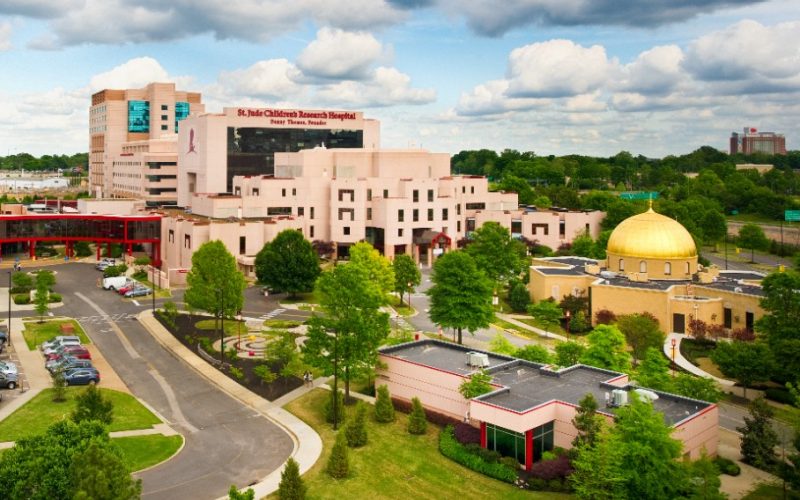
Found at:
<point>532,407</point>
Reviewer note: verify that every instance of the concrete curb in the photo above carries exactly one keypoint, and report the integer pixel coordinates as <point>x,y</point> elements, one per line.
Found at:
<point>307,443</point>
<point>686,364</point>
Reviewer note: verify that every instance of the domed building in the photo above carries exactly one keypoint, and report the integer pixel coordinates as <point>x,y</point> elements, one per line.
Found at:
<point>651,265</point>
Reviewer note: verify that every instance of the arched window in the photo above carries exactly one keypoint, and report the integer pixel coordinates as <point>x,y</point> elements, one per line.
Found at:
<point>621,264</point>
<point>667,269</point>
<point>688,268</point>
<point>643,266</point>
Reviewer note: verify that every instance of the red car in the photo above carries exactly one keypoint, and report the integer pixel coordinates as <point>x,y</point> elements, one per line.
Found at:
<point>121,290</point>
<point>76,351</point>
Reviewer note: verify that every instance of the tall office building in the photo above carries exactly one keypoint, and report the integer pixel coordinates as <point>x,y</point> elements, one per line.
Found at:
<point>752,141</point>
<point>132,141</point>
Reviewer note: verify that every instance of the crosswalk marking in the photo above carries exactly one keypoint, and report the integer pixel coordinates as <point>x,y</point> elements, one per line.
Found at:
<point>106,317</point>
<point>272,314</point>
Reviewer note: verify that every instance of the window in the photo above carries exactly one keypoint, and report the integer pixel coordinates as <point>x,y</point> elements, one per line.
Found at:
<point>171,236</point>
<point>294,191</point>
<point>562,229</point>
<point>164,117</point>
<point>311,231</point>
<point>164,107</point>
<point>283,192</point>
<point>472,189</point>
<point>476,206</point>
<point>621,264</point>
<point>470,224</point>
<point>458,226</point>
<point>242,244</point>
<point>415,196</point>
<point>430,214</point>
<point>187,241</point>
<point>237,191</point>
<point>275,211</point>
<point>727,317</point>
<point>401,216</point>
<point>369,195</point>
<point>458,209</point>
<point>506,442</point>
<point>688,269</point>
<point>542,440</point>
<point>369,213</point>
<point>138,116</point>
<point>415,215</point>
<point>463,189</point>
<point>164,127</point>
<point>430,195</point>
<point>255,191</point>
<point>346,193</point>
<point>385,193</point>
<point>301,211</point>
<point>536,227</point>
<point>346,230</point>
<point>586,228</point>
<point>348,211</point>
<point>643,266</point>
<point>312,212</point>
<point>400,232</point>
<point>516,226</point>
<point>667,269</point>
<point>444,214</point>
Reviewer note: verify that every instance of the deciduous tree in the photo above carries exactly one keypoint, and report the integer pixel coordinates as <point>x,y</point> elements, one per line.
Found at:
<point>607,349</point>
<point>747,362</point>
<point>569,353</point>
<point>477,384</point>
<point>406,275</point>
<point>98,473</point>
<point>547,313</point>
<point>461,294</point>
<point>535,353</point>
<point>641,333</point>
<point>653,372</point>
<point>758,437</point>
<point>496,252</point>
<point>288,263</point>
<point>752,237</point>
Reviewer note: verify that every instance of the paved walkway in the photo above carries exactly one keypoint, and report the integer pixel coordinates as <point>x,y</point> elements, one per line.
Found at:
<point>686,364</point>
<point>542,333</point>
<point>307,443</point>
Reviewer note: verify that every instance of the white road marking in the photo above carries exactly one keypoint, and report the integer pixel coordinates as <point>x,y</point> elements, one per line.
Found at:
<point>136,302</point>
<point>180,418</point>
<point>122,338</point>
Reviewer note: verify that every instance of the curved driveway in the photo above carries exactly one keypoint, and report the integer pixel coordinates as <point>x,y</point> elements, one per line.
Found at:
<point>226,442</point>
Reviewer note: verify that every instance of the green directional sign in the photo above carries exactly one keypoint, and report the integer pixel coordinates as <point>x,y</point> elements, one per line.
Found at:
<point>639,195</point>
<point>791,215</point>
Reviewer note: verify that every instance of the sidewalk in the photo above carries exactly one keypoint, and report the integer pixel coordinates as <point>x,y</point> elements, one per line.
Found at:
<point>307,443</point>
<point>525,326</point>
<point>686,364</point>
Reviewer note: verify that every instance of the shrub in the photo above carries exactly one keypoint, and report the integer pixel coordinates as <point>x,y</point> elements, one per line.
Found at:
<point>237,373</point>
<point>59,387</point>
<point>264,373</point>
<point>727,466</point>
<point>452,449</point>
<point>487,455</point>
<point>328,408</point>
<point>779,395</point>
<point>291,486</point>
<point>548,455</point>
<point>605,317</point>
<point>54,297</point>
<point>338,463</point>
<point>384,409</point>
<point>20,289</point>
<point>417,423</point>
<point>356,430</point>
<point>743,335</point>
<point>556,468</point>
<point>139,275</point>
<point>207,344</point>
<point>510,462</point>
<point>467,434</point>
<point>22,298</point>
<point>433,417</point>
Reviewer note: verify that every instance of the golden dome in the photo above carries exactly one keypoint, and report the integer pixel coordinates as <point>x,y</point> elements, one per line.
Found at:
<point>652,236</point>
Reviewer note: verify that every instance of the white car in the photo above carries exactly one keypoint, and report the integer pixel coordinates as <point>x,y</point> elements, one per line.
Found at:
<point>8,368</point>
<point>56,341</point>
<point>63,343</point>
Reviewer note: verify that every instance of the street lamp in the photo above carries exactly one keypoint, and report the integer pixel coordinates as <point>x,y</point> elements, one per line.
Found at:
<point>222,327</point>
<point>409,295</point>
<point>9,309</point>
<point>568,315</point>
<point>673,357</point>
<point>335,380</point>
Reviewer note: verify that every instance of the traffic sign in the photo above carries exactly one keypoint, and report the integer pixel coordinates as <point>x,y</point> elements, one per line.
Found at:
<point>791,215</point>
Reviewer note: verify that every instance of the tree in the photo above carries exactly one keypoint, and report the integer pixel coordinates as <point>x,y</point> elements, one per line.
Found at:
<point>334,408</point>
<point>715,226</point>
<point>654,371</point>
<point>378,268</point>
<point>501,345</point>
<point>747,362</point>
<point>607,349</point>
<point>781,304</point>
<point>22,281</point>
<point>406,276</point>
<point>461,295</point>
<point>291,486</point>
<point>91,405</point>
<point>496,252</point>
<point>569,353</point>
<point>356,429</point>
<point>641,332</point>
<point>82,249</point>
<point>752,236</point>
<point>635,458</point>
<point>214,284</point>
<point>518,296</point>
<point>417,422</point>
<point>477,384</point>
<point>758,437</point>
<point>288,263</point>
<point>41,299</point>
<point>704,389</point>
<point>248,494</point>
<point>59,387</point>
<point>583,245</point>
<point>534,353</point>
<point>704,479</point>
<point>99,473</point>
<point>547,313</point>
<point>384,408</point>
<point>347,337</point>
<point>587,422</point>
<point>339,463</point>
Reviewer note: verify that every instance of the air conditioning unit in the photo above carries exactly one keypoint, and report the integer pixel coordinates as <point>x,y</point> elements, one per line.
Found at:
<point>645,395</point>
<point>619,397</point>
<point>469,357</point>
<point>478,359</point>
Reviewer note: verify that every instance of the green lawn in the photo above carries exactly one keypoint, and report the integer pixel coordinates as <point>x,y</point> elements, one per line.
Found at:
<point>231,326</point>
<point>281,324</point>
<point>161,293</point>
<point>140,452</point>
<point>401,306</point>
<point>765,491</point>
<point>395,464</point>
<point>301,298</point>
<point>40,412</point>
<point>505,325</point>
<point>35,333</point>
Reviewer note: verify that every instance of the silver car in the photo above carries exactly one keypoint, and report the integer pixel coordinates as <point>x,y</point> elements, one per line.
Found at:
<point>8,367</point>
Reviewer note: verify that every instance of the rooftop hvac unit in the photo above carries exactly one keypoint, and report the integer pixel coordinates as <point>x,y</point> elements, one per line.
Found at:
<point>608,274</point>
<point>619,397</point>
<point>478,359</point>
<point>646,395</point>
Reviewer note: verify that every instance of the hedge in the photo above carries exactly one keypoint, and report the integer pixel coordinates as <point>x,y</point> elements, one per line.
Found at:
<point>22,298</point>
<point>727,466</point>
<point>54,297</point>
<point>452,449</point>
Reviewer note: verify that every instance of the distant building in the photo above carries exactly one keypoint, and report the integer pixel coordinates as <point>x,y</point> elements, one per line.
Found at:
<point>752,141</point>
<point>132,141</point>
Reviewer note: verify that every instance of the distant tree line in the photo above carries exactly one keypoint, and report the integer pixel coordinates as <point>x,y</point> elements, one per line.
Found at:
<point>45,163</point>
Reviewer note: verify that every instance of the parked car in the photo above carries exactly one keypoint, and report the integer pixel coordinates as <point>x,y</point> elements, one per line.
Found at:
<point>63,343</point>
<point>82,376</point>
<point>7,367</point>
<point>76,351</point>
<point>138,292</point>
<point>56,341</point>
<point>8,380</point>
<point>128,287</point>
<point>115,283</point>
<point>67,363</point>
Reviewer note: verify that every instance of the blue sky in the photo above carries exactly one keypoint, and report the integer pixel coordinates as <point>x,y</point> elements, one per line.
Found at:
<point>652,77</point>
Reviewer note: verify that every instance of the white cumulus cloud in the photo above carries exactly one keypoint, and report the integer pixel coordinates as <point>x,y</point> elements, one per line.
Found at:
<point>5,36</point>
<point>340,54</point>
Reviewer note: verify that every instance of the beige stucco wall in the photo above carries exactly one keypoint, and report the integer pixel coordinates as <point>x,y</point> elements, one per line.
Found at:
<point>655,268</point>
<point>545,286</point>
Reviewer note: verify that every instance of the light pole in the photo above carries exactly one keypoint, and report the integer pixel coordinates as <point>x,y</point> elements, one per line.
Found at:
<point>568,315</point>
<point>673,357</point>
<point>9,309</point>
<point>335,380</point>
<point>409,295</point>
<point>222,327</point>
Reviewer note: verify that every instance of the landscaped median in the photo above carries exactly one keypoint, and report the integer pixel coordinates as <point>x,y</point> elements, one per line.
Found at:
<point>35,332</point>
<point>394,463</point>
<point>139,452</point>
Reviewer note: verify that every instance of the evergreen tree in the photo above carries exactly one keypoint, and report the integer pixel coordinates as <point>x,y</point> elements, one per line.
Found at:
<point>91,405</point>
<point>587,422</point>
<point>758,437</point>
<point>384,408</point>
<point>519,298</point>
<point>234,494</point>
<point>339,406</point>
<point>417,422</point>
<point>356,429</point>
<point>98,473</point>
<point>59,387</point>
<point>291,486</point>
<point>339,463</point>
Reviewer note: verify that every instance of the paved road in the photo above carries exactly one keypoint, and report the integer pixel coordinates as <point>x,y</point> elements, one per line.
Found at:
<point>226,442</point>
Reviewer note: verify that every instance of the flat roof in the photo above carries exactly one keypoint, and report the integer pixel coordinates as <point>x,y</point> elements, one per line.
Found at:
<point>561,271</point>
<point>527,385</point>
